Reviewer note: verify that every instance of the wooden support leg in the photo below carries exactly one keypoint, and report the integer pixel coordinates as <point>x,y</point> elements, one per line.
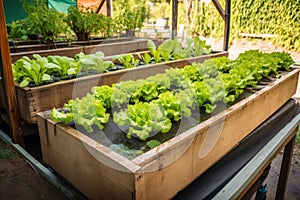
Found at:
<point>9,85</point>
<point>285,168</point>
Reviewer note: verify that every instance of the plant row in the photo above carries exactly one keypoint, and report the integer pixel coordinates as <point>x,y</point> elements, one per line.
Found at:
<point>43,70</point>
<point>152,105</point>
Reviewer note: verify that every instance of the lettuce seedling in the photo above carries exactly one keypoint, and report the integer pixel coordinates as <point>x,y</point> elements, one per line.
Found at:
<point>127,60</point>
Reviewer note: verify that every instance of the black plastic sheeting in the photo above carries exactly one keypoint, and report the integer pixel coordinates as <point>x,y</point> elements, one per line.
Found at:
<point>216,177</point>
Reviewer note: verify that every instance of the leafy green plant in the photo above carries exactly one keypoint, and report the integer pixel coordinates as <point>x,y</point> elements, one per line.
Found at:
<point>67,67</point>
<point>155,52</point>
<point>127,60</point>
<point>17,31</point>
<point>143,119</point>
<point>86,112</point>
<point>173,49</point>
<point>103,94</point>
<point>145,58</point>
<point>130,15</point>
<point>41,70</point>
<point>150,106</point>
<point>166,49</point>
<point>34,71</point>
<point>153,143</point>
<point>200,47</point>
<point>85,22</point>
<point>93,63</point>
<point>44,21</point>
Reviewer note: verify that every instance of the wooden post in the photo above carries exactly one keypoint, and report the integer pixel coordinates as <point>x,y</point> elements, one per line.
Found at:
<point>227,25</point>
<point>109,8</point>
<point>8,83</point>
<point>219,8</point>
<point>174,18</point>
<point>100,6</point>
<point>285,168</point>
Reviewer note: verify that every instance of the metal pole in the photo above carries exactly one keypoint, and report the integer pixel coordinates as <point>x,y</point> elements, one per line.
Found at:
<point>174,18</point>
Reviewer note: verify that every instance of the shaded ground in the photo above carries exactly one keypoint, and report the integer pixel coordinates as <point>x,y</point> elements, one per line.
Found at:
<point>293,184</point>
<point>19,181</point>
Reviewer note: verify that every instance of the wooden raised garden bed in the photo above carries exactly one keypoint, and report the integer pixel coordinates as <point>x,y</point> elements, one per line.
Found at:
<point>107,48</point>
<point>33,45</point>
<point>160,173</point>
<point>36,99</point>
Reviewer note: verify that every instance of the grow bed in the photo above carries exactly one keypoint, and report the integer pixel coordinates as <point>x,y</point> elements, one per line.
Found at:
<point>94,40</point>
<point>32,100</point>
<point>160,173</point>
<point>107,48</point>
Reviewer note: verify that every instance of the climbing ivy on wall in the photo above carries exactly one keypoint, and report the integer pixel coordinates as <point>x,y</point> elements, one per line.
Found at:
<point>274,17</point>
<point>208,21</point>
<point>279,17</point>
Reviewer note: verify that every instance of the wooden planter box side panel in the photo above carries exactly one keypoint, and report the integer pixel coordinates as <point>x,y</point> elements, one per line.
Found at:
<point>69,52</point>
<point>120,48</point>
<point>77,160</point>
<point>169,173</point>
<point>108,49</point>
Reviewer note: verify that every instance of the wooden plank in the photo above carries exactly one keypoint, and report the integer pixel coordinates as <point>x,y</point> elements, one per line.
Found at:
<point>39,47</point>
<point>174,19</point>
<point>108,47</point>
<point>285,167</point>
<point>175,163</point>
<point>8,80</point>
<point>171,173</point>
<point>69,52</point>
<point>117,48</point>
<point>219,8</point>
<point>95,170</point>
<point>240,181</point>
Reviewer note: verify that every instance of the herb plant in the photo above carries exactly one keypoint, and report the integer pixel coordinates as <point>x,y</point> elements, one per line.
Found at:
<point>44,21</point>
<point>84,22</point>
